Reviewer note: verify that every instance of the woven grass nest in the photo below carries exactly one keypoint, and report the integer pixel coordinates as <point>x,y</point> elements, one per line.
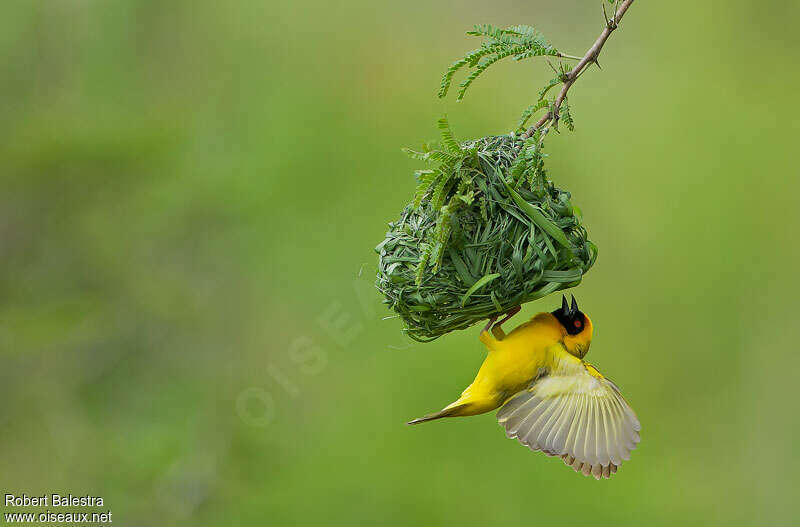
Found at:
<point>487,231</point>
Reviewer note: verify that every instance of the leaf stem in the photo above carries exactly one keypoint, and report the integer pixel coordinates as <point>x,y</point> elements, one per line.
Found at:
<point>589,58</point>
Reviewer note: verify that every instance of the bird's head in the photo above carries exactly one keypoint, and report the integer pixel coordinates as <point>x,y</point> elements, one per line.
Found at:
<point>576,327</point>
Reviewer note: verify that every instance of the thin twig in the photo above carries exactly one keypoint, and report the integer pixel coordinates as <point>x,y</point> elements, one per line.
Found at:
<point>589,58</point>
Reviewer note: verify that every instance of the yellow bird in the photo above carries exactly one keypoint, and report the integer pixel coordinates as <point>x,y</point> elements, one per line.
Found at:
<point>549,398</point>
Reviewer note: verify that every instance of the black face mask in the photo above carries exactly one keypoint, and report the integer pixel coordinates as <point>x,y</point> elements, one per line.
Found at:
<point>570,317</point>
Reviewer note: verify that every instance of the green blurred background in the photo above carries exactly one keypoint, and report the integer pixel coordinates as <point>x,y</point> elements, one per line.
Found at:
<point>190,196</point>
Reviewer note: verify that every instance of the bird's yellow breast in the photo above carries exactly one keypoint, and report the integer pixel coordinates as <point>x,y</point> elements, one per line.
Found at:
<point>516,359</point>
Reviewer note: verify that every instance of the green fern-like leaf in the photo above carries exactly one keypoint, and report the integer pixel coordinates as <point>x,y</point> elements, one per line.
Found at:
<point>530,33</point>
<point>520,42</point>
<point>551,83</point>
<point>483,66</point>
<point>530,110</point>
<point>533,52</point>
<point>436,256</point>
<point>424,256</point>
<point>515,35</point>
<point>447,79</point>
<point>529,165</point>
<point>448,139</point>
<point>474,56</point>
<point>419,156</point>
<point>425,178</point>
<point>485,30</point>
<point>442,234</point>
<point>565,116</point>
<point>439,193</point>
<point>471,59</point>
<point>464,194</point>
<point>442,157</point>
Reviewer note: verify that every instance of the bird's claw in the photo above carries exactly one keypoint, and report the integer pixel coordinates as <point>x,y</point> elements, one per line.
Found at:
<point>511,312</point>
<point>495,327</point>
<point>489,324</point>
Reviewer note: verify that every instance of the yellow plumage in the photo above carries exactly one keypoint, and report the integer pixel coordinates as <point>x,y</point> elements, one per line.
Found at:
<point>549,398</point>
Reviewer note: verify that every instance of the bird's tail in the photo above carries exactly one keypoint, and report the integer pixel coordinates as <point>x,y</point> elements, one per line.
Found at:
<point>452,410</point>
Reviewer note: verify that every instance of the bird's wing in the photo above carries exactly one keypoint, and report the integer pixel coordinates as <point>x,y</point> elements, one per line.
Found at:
<point>575,413</point>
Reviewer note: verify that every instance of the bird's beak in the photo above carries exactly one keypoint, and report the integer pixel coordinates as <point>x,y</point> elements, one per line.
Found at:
<point>574,308</point>
<point>564,306</point>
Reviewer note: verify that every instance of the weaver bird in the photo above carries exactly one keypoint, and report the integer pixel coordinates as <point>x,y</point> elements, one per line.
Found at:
<point>550,399</point>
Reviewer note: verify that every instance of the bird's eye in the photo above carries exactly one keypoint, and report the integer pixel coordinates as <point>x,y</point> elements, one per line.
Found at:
<point>577,323</point>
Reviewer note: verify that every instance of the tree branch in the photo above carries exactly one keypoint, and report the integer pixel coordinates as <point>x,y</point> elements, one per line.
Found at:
<point>589,58</point>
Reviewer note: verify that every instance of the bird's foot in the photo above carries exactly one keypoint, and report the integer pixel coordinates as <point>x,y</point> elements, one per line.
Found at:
<point>489,324</point>
<point>513,311</point>
<point>497,328</point>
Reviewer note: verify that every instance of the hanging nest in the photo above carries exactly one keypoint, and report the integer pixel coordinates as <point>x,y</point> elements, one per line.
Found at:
<point>486,232</point>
